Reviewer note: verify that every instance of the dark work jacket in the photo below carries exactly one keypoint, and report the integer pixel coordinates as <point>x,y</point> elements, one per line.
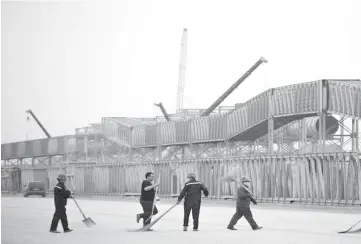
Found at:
<point>61,194</point>
<point>192,192</point>
<point>244,198</point>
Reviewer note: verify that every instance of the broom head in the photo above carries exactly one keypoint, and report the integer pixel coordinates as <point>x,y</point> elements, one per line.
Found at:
<point>229,178</point>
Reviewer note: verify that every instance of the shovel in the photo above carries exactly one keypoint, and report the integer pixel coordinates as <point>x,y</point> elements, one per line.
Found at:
<point>87,221</point>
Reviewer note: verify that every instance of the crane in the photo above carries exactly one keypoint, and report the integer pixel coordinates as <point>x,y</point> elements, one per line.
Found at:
<point>233,87</point>
<point>38,122</point>
<point>166,116</point>
<point>182,71</point>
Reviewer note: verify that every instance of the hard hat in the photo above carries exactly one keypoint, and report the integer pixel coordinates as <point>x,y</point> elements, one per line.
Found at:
<point>61,177</point>
<point>244,179</point>
<point>191,175</point>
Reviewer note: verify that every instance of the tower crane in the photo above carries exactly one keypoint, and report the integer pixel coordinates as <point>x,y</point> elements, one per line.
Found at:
<point>38,122</point>
<point>181,77</point>
<point>182,71</point>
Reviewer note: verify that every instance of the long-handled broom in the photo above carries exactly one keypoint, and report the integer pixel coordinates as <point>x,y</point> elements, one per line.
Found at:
<point>155,196</point>
<point>349,229</point>
<point>148,226</point>
<point>231,178</point>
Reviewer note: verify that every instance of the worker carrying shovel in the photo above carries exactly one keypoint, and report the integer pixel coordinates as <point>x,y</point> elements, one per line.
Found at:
<point>61,194</point>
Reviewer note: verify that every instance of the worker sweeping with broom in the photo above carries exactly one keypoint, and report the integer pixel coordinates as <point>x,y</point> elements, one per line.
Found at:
<point>147,200</point>
<point>243,205</point>
<point>192,193</point>
<point>61,194</point>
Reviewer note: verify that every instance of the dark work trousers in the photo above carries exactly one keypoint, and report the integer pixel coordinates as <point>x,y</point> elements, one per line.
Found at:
<point>246,212</point>
<point>195,208</point>
<point>147,209</point>
<point>60,214</point>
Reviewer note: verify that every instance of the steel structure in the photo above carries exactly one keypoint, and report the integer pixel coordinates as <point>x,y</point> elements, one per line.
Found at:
<point>312,117</point>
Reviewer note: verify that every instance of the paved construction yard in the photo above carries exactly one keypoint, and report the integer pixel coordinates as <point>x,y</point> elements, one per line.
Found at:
<point>27,221</point>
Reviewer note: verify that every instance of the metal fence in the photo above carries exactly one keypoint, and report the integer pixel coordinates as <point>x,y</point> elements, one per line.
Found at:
<point>331,179</point>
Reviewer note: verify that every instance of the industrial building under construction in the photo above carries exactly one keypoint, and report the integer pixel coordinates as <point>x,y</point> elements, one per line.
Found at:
<point>299,142</point>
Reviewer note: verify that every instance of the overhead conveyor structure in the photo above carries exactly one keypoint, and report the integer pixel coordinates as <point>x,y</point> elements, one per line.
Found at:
<point>296,111</point>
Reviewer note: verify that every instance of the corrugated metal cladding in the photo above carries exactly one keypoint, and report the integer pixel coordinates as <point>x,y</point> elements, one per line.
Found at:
<point>344,98</point>
<point>21,151</point>
<point>307,99</point>
<point>182,128</point>
<point>151,134</point>
<point>53,146</point>
<point>200,129</point>
<point>138,135</point>
<point>168,132</point>
<point>273,179</point>
<point>217,127</point>
<point>124,134</point>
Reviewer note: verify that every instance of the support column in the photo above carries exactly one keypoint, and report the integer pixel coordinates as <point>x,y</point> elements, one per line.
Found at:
<point>342,132</point>
<point>130,149</point>
<point>322,132</point>
<point>183,152</point>
<point>270,135</point>
<point>355,135</point>
<point>322,114</point>
<point>271,123</point>
<point>85,148</point>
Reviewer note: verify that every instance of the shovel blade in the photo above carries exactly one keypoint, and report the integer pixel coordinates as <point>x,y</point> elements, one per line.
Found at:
<point>89,222</point>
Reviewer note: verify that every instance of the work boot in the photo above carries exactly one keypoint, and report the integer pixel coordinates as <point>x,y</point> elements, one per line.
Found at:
<point>195,229</point>
<point>54,231</point>
<point>258,228</point>
<point>231,227</point>
<point>184,228</point>
<point>138,218</point>
<point>68,230</point>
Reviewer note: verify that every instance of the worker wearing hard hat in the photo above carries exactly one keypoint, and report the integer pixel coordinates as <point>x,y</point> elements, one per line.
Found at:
<point>243,206</point>
<point>192,192</point>
<point>61,194</point>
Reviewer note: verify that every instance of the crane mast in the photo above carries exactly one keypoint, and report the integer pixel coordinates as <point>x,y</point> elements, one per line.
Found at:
<point>233,87</point>
<point>38,122</point>
<point>182,71</point>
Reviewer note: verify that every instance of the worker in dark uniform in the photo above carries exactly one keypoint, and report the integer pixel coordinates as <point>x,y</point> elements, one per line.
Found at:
<point>243,206</point>
<point>192,192</point>
<point>147,197</point>
<point>61,194</point>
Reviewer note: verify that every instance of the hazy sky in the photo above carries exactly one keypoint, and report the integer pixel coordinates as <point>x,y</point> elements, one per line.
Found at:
<point>73,63</point>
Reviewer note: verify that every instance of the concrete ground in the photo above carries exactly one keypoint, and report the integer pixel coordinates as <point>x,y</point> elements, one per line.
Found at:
<point>27,221</point>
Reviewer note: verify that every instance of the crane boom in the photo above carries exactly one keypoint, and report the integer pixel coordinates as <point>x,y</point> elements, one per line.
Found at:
<point>38,122</point>
<point>233,87</point>
<point>166,116</point>
<point>182,71</point>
